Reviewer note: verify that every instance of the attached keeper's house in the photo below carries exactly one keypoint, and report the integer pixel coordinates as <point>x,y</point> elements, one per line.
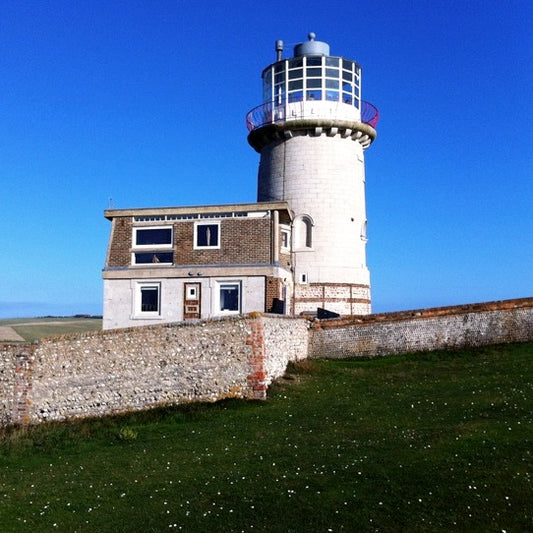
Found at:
<point>172,264</point>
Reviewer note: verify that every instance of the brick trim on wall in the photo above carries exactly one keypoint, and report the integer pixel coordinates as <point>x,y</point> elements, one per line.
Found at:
<point>256,360</point>
<point>323,299</point>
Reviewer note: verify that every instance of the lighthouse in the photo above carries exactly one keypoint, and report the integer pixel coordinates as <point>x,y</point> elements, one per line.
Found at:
<point>300,249</point>
<point>311,131</point>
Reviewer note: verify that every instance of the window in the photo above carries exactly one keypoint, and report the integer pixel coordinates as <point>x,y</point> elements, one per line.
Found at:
<point>143,258</point>
<point>153,245</point>
<point>314,72</point>
<point>191,291</point>
<point>229,297</point>
<point>303,227</point>
<point>285,239</point>
<point>207,235</point>
<point>314,83</point>
<point>298,84</point>
<point>314,95</point>
<point>295,74</point>
<point>363,232</point>
<point>312,78</point>
<point>148,299</point>
<point>152,237</point>
<point>296,96</point>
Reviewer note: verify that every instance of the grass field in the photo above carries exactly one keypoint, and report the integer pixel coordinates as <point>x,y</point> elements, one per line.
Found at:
<point>430,442</point>
<point>32,329</point>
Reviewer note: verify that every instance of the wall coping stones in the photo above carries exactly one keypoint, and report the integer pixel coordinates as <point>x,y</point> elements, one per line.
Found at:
<point>431,312</point>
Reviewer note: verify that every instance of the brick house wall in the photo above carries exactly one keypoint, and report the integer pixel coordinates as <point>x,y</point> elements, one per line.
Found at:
<point>119,251</point>
<point>242,241</point>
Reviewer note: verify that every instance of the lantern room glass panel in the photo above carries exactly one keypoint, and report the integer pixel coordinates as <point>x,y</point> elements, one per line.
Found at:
<point>312,78</point>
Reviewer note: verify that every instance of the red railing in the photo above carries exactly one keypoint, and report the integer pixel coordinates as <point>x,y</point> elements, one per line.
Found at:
<point>369,114</point>
<point>268,114</point>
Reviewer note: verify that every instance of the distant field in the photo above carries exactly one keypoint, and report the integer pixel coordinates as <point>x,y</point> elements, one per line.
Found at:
<point>31,329</point>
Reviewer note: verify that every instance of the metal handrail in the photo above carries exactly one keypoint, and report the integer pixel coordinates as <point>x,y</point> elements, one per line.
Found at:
<point>268,114</point>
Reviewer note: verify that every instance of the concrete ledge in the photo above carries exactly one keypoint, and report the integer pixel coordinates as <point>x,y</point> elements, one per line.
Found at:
<point>264,135</point>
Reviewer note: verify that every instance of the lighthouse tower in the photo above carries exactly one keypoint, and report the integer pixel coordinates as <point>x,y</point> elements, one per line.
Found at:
<point>311,131</point>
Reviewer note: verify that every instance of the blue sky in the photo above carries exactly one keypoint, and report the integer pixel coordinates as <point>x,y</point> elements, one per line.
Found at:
<point>141,103</point>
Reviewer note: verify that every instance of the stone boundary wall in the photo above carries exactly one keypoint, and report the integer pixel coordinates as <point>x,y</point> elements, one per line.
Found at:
<point>116,371</point>
<point>423,330</point>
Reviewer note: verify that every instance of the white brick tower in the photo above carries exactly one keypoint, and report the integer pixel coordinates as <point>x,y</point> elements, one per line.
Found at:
<point>311,131</point>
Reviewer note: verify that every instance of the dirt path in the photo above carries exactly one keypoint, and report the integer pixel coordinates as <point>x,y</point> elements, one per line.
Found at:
<point>46,323</point>
<point>8,334</point>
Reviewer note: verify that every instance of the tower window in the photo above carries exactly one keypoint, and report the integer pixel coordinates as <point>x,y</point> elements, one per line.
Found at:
<point>314,72</point>
<point>295,74</point>
<point>298,84</point>
<point>314,61</point>
<point>303,227</point>
<point>363,231</point>
<point>314,83</point>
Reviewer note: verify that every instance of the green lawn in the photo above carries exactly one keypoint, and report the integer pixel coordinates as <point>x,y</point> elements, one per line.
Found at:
<point>431,442</point>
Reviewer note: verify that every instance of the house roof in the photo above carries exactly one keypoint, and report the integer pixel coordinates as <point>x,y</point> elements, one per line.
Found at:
<point>209,210</point>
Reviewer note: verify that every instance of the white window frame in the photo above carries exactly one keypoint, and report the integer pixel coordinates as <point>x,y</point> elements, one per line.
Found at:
<point>155,248</point>
<point>285,230</point>
<point>218,286</point>
<point>152,246</point>
<point>206,223</point>
<point>137,309</point>
<point>151,264</point>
